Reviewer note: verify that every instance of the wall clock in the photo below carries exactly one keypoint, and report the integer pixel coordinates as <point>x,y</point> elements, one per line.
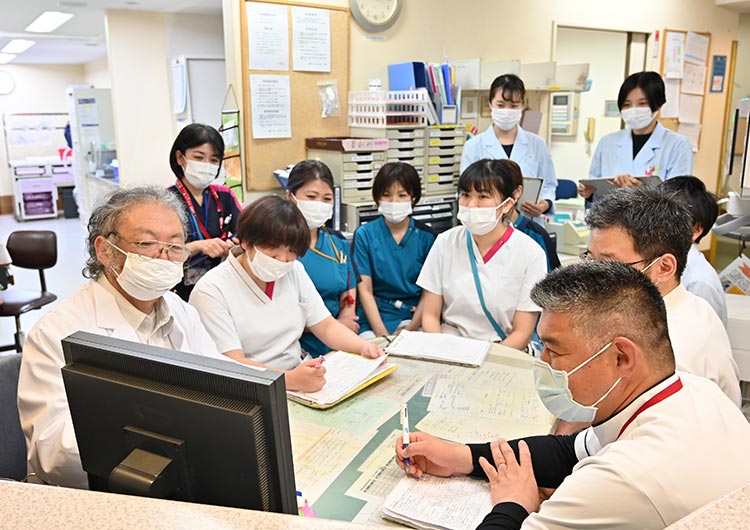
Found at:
<point>375,15</point>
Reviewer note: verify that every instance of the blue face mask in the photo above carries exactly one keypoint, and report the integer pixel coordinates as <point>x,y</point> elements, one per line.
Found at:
<point>553,390</point>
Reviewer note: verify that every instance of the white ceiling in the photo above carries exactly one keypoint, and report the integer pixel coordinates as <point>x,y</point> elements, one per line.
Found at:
<point>81,39</point>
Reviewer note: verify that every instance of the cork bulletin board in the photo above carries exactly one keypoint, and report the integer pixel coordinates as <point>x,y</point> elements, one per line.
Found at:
<point>263,156</point>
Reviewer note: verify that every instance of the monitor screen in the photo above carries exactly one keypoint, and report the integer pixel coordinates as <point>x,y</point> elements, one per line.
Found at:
<point>156,422</point>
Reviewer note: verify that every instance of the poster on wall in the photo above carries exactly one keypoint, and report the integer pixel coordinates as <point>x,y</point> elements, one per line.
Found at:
<point>268,36</point>
<point>311,40</point>
<point>270,104</point>
<point>696,48</point>
<point>718,71</point>
<point>674,55</point>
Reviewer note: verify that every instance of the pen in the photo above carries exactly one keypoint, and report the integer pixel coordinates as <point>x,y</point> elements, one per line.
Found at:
<point>405,428</point>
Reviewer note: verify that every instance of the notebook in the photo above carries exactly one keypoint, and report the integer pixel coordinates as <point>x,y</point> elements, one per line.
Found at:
<point>531,189</point>
<point>439,347</point>
<point>346,374</point>
<point>455,503</point>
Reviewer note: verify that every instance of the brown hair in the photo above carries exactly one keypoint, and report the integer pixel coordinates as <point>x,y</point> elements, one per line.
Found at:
<point>274,222</point>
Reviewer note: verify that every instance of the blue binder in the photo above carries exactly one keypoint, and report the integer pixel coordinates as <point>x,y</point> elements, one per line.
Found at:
<point>406,76</point>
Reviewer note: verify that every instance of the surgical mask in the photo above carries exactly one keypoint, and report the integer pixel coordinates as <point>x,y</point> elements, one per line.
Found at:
<point>480,221</point>
<point>145,278</point>
<point>316,213</point>
<point>506,119</point>
<point>637,117</point>
<point>553,390</point>
<point>395,212</point>
<point>200,174</point>
<point>268,269</point>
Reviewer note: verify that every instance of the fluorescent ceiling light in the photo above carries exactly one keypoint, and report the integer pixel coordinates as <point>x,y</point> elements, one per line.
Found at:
<point>49,21</point>
<point>18,46</point>
<point>6,57</point>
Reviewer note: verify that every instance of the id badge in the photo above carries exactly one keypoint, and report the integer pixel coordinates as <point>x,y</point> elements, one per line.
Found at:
<point>193,273</point>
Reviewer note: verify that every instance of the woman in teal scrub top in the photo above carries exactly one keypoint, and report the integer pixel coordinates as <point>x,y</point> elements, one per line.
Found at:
<point>327,262</point>
<point>389,253</point>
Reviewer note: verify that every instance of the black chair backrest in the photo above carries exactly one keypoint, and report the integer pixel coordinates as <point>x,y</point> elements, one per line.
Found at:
<point>33,249</point>
<point>12,441</point>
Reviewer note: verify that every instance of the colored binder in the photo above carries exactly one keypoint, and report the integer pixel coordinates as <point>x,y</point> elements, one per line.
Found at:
<point>406,76</point>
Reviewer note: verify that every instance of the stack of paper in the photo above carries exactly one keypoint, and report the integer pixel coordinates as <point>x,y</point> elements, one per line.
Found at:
<point>457,503</point>
<point>346,374</point>
<point>439,347</point>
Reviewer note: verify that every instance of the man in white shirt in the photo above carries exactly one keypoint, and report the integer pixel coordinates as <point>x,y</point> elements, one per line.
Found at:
<point>699,277</point>
<point>136,254</point>
<point>650,229</point>
<point>662,444</point>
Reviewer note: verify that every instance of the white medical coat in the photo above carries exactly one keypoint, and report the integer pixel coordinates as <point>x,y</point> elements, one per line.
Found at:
<point>529,152</point>
<point>666,154</point>
<point>701,279</point>
<point>42,402</point>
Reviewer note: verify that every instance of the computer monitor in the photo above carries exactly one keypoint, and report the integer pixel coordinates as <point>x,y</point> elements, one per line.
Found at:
<point>156,422</point>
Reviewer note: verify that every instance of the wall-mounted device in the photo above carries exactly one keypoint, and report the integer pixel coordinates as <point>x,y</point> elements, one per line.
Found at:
<point>564,113</point>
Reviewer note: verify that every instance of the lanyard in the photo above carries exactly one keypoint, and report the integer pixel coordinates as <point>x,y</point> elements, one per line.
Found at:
<point>339,257</point>
<point>191,208</point>
<point>661,396</point>
<point>478,284</point>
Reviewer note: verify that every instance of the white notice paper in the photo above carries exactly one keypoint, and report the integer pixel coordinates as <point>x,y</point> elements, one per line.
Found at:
<point>696,48</point>
<point>671,108</point>
<point>674,55</point>
<point>690,108</point>
<point>268,36</point>
<point>694,79</point>
<point>693,132</point>
<point>270,103</point>
<point>311,39</point>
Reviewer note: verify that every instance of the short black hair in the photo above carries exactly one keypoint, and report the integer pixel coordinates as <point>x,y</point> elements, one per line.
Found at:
<point>656,220</point>
<point>510,84</point>
<point>191,136</point>
<point>701,202</point>
<point>501,176</point>
<point>306,171</point>
<point>613,293</point>
<point>274,222</point>
<point>652,85</point>
<point>400,172</point>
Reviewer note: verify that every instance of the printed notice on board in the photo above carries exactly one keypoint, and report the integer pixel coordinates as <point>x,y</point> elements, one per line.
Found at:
<point>270,102</point>
<point>674,55</point>
<point>88,114</point>
<point>268,36</point>
<point>311,41</point>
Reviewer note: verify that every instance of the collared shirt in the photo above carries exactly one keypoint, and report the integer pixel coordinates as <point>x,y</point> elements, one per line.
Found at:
<point>701,279</point>
<point>700,342</point>
<point>153,328</point>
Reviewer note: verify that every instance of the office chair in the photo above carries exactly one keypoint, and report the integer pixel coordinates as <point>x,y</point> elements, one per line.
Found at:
<point>29,249</point>
<point>566,189</point>
<point>12,441</point>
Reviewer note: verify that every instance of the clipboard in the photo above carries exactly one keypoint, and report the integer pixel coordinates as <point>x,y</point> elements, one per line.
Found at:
<point>606,185</point>
<point>532,187</point>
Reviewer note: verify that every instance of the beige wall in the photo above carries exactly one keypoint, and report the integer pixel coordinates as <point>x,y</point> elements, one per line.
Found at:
<point>39,88</point>
<point>96,73</point>
<point>742,72</point>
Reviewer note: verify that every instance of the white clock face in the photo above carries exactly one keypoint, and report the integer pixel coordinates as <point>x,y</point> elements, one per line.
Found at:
<point>375,15</point>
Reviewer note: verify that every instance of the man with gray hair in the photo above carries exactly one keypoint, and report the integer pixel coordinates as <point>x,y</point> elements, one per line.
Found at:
<point>607,359</point>
<point>651,229</point>
<point>136,253</point>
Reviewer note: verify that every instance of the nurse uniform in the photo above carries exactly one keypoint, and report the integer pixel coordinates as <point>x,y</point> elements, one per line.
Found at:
<point>507,276</point>
<point>529,152</point>
<point>700,278</point>
<point>394,268</point>
<point>331,270</point>
<point>266,326</point>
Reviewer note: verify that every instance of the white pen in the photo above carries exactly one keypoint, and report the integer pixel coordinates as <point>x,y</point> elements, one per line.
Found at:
<point>405,428</point>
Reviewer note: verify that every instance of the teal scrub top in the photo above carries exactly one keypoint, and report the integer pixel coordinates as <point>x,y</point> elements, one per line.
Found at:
<point>394,268</point>
<point>332,273</point>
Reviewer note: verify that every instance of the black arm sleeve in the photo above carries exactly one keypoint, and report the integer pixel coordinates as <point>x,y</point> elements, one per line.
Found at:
<point>553,458</point>
<point>504,516</point>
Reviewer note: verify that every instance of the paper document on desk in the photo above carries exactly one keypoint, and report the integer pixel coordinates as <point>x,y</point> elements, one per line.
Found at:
<point>439,347</point>
<point>346,374</point>
<point>457,503</point>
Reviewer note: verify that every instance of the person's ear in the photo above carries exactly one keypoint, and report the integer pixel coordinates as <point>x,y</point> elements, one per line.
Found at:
<point>629,355</point>
<point>697,231</point>
<point>106,254</point>
<point>288,195</point>
<point>666,268</point>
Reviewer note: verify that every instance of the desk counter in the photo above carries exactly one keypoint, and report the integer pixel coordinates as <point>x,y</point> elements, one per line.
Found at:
<point>730,512</point>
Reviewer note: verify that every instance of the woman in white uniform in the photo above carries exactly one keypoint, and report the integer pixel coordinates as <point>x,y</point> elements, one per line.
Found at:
<point>645,147</point>
<point>506,140</point>
<point>257,303</point>
<point>479,276</point>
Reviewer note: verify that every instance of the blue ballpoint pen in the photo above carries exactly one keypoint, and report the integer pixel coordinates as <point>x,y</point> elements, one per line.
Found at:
<point>405,428</point>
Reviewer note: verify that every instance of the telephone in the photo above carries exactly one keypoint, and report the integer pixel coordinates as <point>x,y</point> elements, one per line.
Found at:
<point>588,133</point>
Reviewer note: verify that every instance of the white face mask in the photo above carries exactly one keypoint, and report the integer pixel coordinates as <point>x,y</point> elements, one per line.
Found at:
<point>506,119</point>
<point>145,278</point>
<point>268,269</point>
<point>316,213</point>
<point>200,174</point>
<point>553,390</point>
<point>395,212</point>
<point>637,117</point>
<point>480,221</point>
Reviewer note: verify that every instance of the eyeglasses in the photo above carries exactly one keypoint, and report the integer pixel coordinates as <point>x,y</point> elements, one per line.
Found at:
<point>586,257</point>
<point>153,249</point>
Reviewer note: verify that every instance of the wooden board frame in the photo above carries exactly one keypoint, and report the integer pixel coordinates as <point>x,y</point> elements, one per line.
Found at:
<point>263,156</point>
